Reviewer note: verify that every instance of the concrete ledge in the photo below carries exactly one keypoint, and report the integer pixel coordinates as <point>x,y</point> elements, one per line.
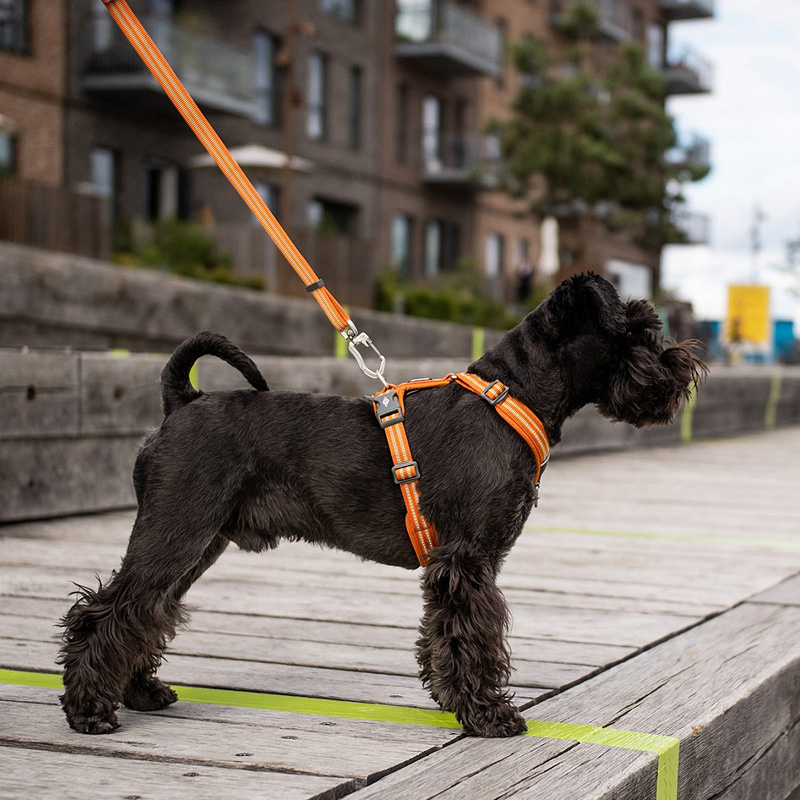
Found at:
<point>70,422</point>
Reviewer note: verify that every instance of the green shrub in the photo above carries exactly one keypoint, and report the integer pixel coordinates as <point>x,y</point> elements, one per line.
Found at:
<point>455,298</point>
<point>183,248</point>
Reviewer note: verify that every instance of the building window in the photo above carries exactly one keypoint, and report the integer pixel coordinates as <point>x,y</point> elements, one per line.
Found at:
<point>270,194</point>
<point>494,255</point>
<point>638,25</point>
<point>442,246</point>
<point>655,46</point>
<point>502,33</point>
<point>349,11</point>
<point>401,124</point>
<point>103,26</point>
<point>266,79</point>
<point>401,244</point>
<point>432,133</point>
<point>354,109</point>
<point>162,192</point>
<point>317,92</point>
<point>8,154</point>
<point>14,26</point>
<point>330,216</point>
<point>104,176</point>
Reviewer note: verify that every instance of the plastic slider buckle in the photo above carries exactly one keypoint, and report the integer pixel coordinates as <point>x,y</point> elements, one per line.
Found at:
<point>387,409</point>
<point>405,465</point>
<point>493,401</point>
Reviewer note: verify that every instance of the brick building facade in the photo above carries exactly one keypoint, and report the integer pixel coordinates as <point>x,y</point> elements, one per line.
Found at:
<point>382,106</point>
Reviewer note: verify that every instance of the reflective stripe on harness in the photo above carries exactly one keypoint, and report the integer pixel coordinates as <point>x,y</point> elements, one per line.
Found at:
<point>389,408</point>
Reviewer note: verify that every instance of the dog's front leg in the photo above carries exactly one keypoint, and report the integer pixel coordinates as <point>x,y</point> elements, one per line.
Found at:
<point>462,651</point>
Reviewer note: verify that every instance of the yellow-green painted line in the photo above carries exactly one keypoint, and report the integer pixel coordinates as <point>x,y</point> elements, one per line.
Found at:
<point>340,349</point>
<point>724,541</point>
<point>666,747</point>
<point>688,414</point>
<point>478,343</point>
<point>771,413</point>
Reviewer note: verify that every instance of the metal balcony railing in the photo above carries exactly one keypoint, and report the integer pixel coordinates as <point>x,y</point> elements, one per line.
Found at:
<point>614,17</point>
<point>687,9</point>
<point>218,75</point>
<point>691,151</point>
<point>687,72</point>
<point>695,228</point>
<point>447,39</point>
<point>470,160</point>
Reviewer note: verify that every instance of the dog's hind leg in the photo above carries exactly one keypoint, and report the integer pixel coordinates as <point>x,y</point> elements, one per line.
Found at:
<point>145,692</point>
<point>121,629</point>
<point>464,659</point>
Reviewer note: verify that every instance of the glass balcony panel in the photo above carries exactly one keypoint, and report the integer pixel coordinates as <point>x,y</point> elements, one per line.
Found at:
<point>687,9</point>
<point>447,39</point>
<point>218,75</point>
<point>687,72</point>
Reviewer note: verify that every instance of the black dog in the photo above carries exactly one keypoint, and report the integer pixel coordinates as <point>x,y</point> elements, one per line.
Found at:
<point>255,467</point>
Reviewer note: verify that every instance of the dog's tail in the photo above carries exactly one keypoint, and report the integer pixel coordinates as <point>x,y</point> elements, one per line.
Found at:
<point>177,390</point>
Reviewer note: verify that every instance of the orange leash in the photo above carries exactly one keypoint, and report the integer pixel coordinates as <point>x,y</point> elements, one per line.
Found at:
<point>176,91</point>
<point>390,410</point>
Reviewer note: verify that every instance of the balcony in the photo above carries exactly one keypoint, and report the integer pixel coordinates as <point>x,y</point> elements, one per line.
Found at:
<point>217,75</point>
<point>692,152</point>
<point>614,17</point>
<point>447,40</point>
<point>694,228</point>
<point>687,72</point>
<point>463,161</point>
<point>676,10</point>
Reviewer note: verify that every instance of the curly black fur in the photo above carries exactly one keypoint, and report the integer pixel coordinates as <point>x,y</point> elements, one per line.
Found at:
<point>257,467</point>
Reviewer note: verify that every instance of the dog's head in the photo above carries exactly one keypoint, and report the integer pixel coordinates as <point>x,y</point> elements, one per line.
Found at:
<point>613,353</point>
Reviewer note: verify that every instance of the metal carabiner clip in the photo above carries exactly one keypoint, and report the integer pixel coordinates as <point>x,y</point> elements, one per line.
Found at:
<point>362,339</point>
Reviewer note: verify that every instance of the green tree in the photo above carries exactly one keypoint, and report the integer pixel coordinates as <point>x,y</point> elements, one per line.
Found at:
<point>589,132</point>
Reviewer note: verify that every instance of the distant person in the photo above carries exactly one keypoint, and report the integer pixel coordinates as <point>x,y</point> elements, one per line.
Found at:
<point>524,282</point>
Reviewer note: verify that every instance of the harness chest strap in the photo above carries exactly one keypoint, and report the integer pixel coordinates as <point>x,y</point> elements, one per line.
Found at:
<point>390,410</point>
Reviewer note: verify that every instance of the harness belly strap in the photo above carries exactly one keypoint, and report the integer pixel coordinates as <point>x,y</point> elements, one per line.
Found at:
<point>389,408</point>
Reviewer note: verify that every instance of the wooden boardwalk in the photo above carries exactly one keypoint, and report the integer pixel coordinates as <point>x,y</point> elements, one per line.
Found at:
<point>653,592</point>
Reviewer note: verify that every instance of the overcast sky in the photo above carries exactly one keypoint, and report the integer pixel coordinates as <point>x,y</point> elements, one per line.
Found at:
<point>753,121</point>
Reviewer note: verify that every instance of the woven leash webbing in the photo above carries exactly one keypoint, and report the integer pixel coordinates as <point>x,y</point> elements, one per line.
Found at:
<point>188,109</point>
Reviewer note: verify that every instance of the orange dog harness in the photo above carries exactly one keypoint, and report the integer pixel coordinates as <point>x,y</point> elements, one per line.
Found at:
<point>390,410</point>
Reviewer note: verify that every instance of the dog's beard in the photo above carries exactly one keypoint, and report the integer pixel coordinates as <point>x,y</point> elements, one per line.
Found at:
<point>650,387</point>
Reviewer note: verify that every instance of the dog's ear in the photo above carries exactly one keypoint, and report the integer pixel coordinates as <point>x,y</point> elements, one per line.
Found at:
<point>581,299</point>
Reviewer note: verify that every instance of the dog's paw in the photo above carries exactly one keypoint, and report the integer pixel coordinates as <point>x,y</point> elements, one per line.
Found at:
<point>494,722</point>
<point>149,695</point>
<point>94,725</point>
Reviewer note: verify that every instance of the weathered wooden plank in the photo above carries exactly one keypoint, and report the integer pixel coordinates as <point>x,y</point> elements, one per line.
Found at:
<point>332,633</point>
<point>39,395</point>
<point>335,684</point>
<point>167,736</point>
<point>65,476</point>
<point>78,561</point>
<point>727,689</point>
<point>289,723</point>
<point>120,395</point>
<point>786,593</point>
<point>623,628</point>
<point>54,775</point>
